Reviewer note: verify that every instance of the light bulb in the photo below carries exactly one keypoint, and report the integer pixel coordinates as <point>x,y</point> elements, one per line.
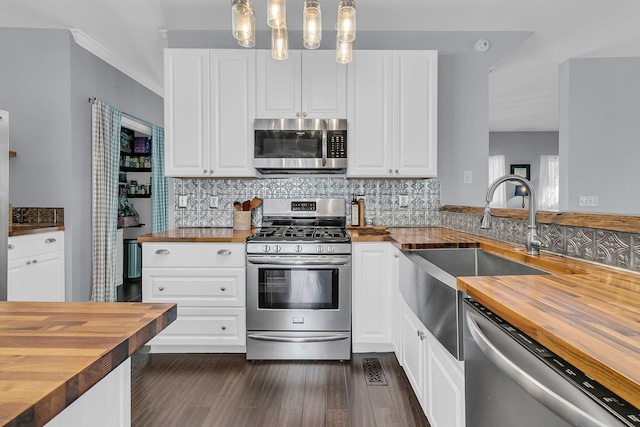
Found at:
<point>344,52</point>
<point>279,43</point>
<point>277,13</point>
<point>312,24</point>
<point>346,24</point>
<point>242,20</point>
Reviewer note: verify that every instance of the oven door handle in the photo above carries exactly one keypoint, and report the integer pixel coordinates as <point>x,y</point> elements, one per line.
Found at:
<point>313,261</point>
<point>314,338</point>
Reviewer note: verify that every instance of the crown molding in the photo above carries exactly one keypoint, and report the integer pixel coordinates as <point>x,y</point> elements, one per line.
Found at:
<point>86,42</point>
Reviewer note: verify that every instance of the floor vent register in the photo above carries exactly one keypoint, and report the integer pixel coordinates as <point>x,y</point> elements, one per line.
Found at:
<point>373,372</point>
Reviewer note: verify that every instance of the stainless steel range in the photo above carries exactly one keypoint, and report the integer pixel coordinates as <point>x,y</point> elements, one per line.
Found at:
<point>299,281</point>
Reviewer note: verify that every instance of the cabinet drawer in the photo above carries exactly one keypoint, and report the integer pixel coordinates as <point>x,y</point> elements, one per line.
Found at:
<point>194,287</point>
<point>205,326</point>
<point>35,244</point>
<point>205,255</point>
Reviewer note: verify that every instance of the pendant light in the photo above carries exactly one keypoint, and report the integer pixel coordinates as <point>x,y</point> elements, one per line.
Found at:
<point>277,13</point>
<point>346,25</point>
<point>279,43</point>
<point>344,52</point>
<point>311,24</point>
<point>243,23</point>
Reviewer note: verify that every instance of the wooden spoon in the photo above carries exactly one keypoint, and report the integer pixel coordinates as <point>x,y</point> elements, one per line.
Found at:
<point>237,206</point>
<point>255,202</point>
<point>245,205</point>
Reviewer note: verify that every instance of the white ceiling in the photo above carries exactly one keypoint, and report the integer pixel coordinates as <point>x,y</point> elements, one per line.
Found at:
<point>523,93</point>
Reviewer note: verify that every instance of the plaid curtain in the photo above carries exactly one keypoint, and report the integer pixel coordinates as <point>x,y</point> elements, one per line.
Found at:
<point>159,192</point>
<point>105,130</point>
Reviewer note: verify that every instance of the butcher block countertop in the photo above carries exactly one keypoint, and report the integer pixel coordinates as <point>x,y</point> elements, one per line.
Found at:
<point>198,234</point>
<point>51,353</point>
<point>24,229</point>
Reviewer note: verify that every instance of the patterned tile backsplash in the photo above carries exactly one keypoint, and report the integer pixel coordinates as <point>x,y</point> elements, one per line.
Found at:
<point>381,198</point>
<point>37,216</point>
<point>612,248</point>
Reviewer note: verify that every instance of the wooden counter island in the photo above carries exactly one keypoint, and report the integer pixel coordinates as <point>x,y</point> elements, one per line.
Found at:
<point>62,355</point>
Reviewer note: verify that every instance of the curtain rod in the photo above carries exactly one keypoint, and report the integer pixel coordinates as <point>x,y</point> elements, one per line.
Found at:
<point>93,99</point>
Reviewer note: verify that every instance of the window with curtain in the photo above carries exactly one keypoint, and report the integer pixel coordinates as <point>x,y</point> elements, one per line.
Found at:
<point>497,168</point>
<point>549,182</point>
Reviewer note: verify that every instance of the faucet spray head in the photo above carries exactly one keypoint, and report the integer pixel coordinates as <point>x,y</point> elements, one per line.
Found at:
<point>485,223</point>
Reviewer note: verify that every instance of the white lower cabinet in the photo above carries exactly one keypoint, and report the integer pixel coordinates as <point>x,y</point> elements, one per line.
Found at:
<point>372,307</point>
<point>36,267</point>
<point>106,404</point>
<point>436,377</point>
<point>207,281</point>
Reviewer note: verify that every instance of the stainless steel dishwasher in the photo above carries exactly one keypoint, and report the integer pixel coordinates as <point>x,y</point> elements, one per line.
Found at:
<point>511,380</point>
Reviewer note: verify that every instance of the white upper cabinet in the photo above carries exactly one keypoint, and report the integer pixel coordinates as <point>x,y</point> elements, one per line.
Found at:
<point>309,84</point>
<point>393,118</point>
<point>209,112</point>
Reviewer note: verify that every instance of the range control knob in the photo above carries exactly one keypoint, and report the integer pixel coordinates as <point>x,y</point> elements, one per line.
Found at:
<point>297,248</point>
<point>319,248</point>
<point>330,249</point>
<point>277,248</point>
<point>266,248</point>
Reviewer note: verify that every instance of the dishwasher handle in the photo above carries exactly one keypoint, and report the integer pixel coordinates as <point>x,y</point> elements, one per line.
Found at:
<point>556,403</point>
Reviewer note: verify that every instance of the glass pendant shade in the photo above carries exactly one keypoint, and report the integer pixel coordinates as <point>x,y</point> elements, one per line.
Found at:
<point>279,43</point>
<point>277,13</point>
<point>346,25</point>
<point>243,22</point>
<point>344,52</point>
<point>311,24</point>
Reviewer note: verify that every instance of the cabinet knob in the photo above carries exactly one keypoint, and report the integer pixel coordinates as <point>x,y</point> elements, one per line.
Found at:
<point>223,289</point>
<point>224,328</point>
<point>28,262</point>
<point>35,261</point>
<point>206,171</point>
<point>389,171</point>
<point>421,335</point>
<point>162,252</point>
<point>211,171</point>
<point>50,240</point>
<point>161,288</point>
<point>304,114</point>
<point>396,170</point>
<point>224,252</point>
<point>11,247</point>
<point>298,114</point>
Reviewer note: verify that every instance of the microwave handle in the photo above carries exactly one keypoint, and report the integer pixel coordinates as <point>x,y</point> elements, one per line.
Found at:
<point>324,143</point>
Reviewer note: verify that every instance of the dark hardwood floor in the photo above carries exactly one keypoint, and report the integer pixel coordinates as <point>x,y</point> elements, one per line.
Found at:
<point>193,390</point>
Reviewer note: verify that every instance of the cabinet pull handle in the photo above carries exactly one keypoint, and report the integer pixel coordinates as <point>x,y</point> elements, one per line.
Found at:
<point>223,289</point>
<point>224,252</point>
<point>162,252</point>
<point>11,247</point>
<point>50,240</point>
<point>161,288</point>
<point>224,328</point>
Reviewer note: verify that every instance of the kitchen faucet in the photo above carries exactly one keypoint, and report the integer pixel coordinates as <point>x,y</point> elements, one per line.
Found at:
<point>533,243</point>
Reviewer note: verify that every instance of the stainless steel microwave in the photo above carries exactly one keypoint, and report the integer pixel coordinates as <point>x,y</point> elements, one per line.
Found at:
<point>300,145</point>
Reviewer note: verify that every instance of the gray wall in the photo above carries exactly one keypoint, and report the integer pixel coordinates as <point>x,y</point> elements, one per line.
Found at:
<point>522,148</point>
<point>463,85</point>
<point>45,82</point>
<point>599,126</point>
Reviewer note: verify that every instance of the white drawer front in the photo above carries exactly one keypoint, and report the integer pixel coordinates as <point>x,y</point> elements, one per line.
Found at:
<point>205,326</point>
<point>205,255</point>
<point>195,287</point>
<point>35,244</point>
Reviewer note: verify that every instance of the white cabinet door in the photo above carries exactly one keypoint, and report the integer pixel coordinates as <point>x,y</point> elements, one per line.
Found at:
<point>232,112</point>
<point>372,294</point>
<point>186,112</point>
<point>393,116</point>
<point>445,387</point>
<point>36,267</point>
<point>306,85</point>
<point>370,118</point>
<point>415,118</point>
<point>209,112</point>
<point>324,85</point>
<point>414,348</point>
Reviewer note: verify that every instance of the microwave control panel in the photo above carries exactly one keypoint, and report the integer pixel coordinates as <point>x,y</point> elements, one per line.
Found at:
<point>337,146</point>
